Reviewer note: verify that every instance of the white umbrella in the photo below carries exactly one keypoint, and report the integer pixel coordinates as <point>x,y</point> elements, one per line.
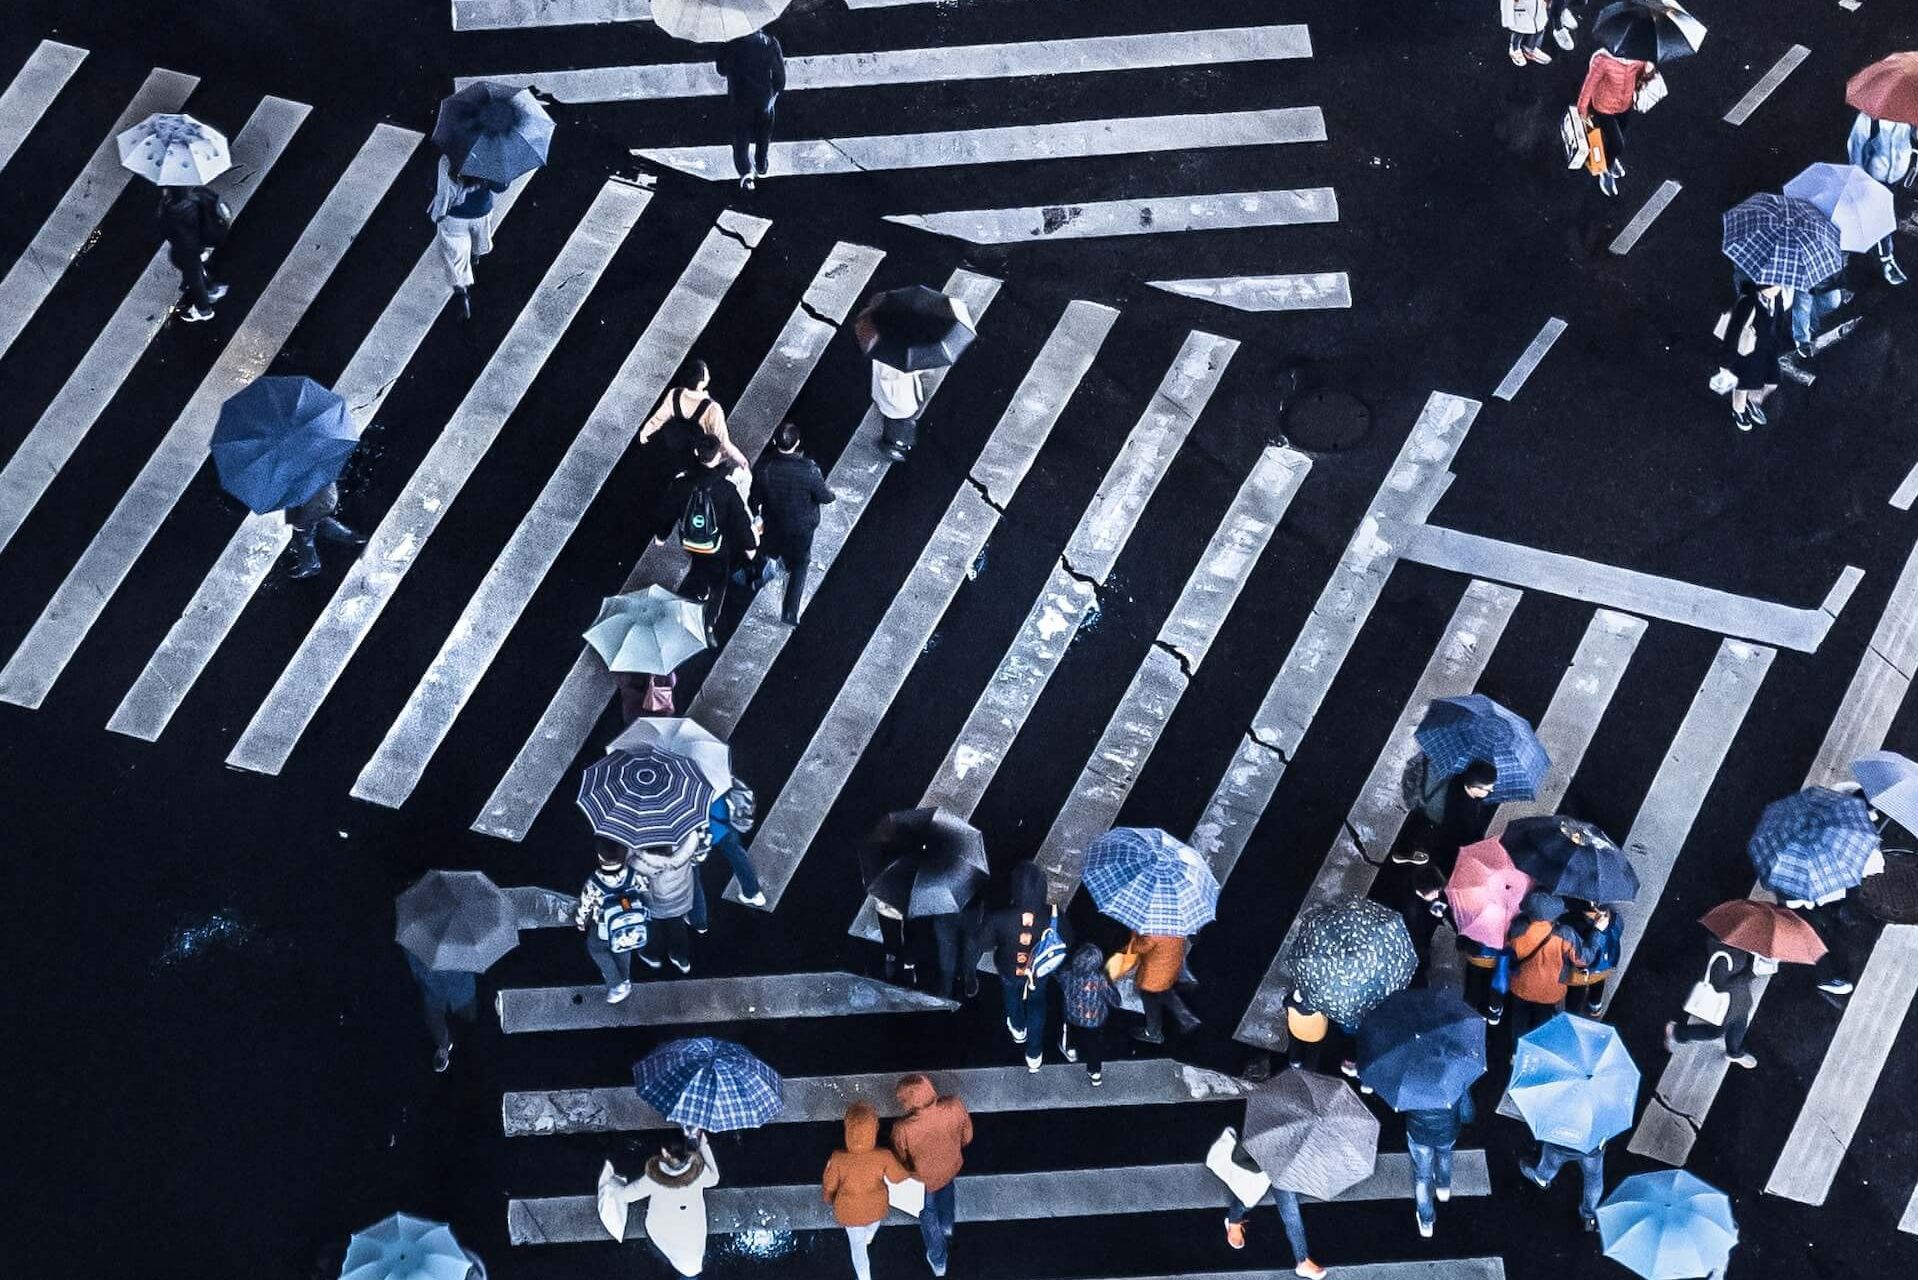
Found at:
<point>651,631</point>
<point>714,21</point>
<point>174,151</point>
<point>1858,204</point>
<point>687,739</point>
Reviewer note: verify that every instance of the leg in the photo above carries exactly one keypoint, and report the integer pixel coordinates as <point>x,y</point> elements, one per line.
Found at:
<point>1591,1168</point>
<point>763,136</point>
<point>1424,1168</point>
<point>1442,1169</point>
<point>1804,326</point>
<point>742,135</point>
<point>456,250</point>
<point>1888,261</point>
<point>193,285</point>
<point>699,917</point>
<point>798,564</point>
<point>614,968</point>
<point>679,943</point>
<point>935,1226</point>
<point>899,434</point>
<point>857,1240</point>
<point>436,1023</point>
<point>1288,1203</point>
<point>1551,1159</point>
<point>945,947</point>
<point>733,849</point>
<point>1595,997</point>
<point>1154,1004</point>
<point>1090,1042</point>
<point>1737,1020</point>
<point>306,561</point>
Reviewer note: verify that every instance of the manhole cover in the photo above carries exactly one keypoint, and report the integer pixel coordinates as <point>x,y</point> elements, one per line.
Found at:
<point>1893,896</point>
<point>1326,421</point>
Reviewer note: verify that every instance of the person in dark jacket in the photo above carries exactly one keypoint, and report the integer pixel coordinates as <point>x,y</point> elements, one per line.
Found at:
<point>1757,331</point>
<point>1731,972</point>
<point>1011,932</point>
<point>788,491</point>
<point>1088,998</point>
<point>941,936</point>
<point>755,70</point>
<point>711,551</point>
<point>194,221</point>
<point>1601,931</point>
<point>1430,1137</point>
<point>445,994</point>
<point>312,521</point>
<point>1452,811</point>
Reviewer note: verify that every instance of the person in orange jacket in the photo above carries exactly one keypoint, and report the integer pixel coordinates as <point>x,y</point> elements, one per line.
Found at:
<point>1160,959</point>
<point>855,1183</point>
<point>1545,953</point>
<point>930,1139</point>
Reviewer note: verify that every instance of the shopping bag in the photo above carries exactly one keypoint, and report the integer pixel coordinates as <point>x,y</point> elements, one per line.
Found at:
<point>907,1197</point>
<point>612,1209</point>
<point>1248,1185</point>
<point>1651,93</point>
<point>1571,132</point>
<point>1596,161</point>
<point>1706,1002</point>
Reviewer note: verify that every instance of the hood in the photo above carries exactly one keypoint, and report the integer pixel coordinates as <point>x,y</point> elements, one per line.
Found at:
<point>1028,887</point>
<point>1087,960</point>
<point>651,861</point>
<point>862,1128</point>
<point>657,1170</point>
<point>915,1091</point>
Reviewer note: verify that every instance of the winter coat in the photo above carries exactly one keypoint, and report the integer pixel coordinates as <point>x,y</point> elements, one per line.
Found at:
<point>1527,17</point>
<point>192,221</point>
<point>1546,953</point>
<point>929,1138</point>
<point>675,1207</point>
<point>856,1174</point>
<point>1882,148</point>
<point>672,877</point>
<point>1089,995</point>
<point>788,490</point>
<point>1012,930</point>
<point>754,66</point>
<point>1160,960</point>
<point>1439,1126</point>
<point>728,486</point>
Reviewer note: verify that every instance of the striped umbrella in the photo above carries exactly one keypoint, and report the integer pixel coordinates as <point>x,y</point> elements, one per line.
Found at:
<point>646,797</point>
<point>1812,844</point>
<point>1310,1133</point>
<point>1150,882</point>
<point>174,151</point>
<point>403,1247</point>
<point>1782,240</point>
<point>1349,956</point>
<point>1574,1082</point>
<point>710,1084</point>
<point>1457,731</point>
<point>1668,1225</point>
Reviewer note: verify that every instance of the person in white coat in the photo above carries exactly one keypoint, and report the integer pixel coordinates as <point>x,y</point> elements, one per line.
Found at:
<point>1527,21</point>
<point>674,1189</point>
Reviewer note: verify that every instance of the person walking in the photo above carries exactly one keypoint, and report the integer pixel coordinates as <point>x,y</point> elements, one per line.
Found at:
<point>445,994</point>
<point>1883,149</point>
<point>1011,933</point>
<point>642,693</point>
<point>1563,21</point>
<point>900,398</point>
<point>1605,99</point>
<point>1809,307</point>
<point>194,222</point>
<point>1448,811</point>
<point>1752,338</point>
<point>1286,1202</point>
<point>755,70</point>
<point>1526,20</point>
<point>1158,960</point>
<point>610,911</point>
<point>1545,953</point>
<point>672,897</point>
<point>674,1188</point>
<point>1729,972</point>
<point>708,507</point>
<point>461,212</point>
<point>1430,1137</point>
<point>930,1140</point>
<point>1552,1157</point>
<point>855,1181</point>
<point>1601,931</point>
<point>729,814</point>
<point>943,937</point>
<point>314,520</point>
<point>788,491</point>
<point>684,414</point>
<point>1089,999</point>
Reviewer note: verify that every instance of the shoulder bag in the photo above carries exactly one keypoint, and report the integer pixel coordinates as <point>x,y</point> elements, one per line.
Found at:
<point>1706,1002</point>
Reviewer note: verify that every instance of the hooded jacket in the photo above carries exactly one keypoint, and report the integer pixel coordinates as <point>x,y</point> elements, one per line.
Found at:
<point>672,877</point>
<point>675,1206</point>
<point>1546,953</point>
<point>1012,931</point>
<point>1089,996</point>
<point>928,1139</point>
<point>1161,959</point>
<point>856,1174</point>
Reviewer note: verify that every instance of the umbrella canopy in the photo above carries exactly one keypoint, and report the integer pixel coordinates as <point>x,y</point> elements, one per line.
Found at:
<point>1765,929</point>
<point>1573,1082</point>
<point>688,739</point>
<point>650,631</point>
<point>1486,890</point>
<point>1667,1225</point>
<point>1813,843</point>
<point>1457,731</point>
<point>644,797</point>
<point>714,21</point>
<point>1891,784</point>
<point>1571,859</point>
<point>1421,1050</point>
<point>924,862</point>
<point>710,1084</point>
<point>1782,240</point>
<point>281,440</point>
<point>1648,30</point>
<point>403,1247</point>
<point>1310,1134</point>
<point>174,151</point>
<point>455,921</point>
<point>1887,89</point>
<point>1858,204</point>
<point>493,132</point>
<point>1350,955</point>
<point>1150,882</point>
<point>914,328</point>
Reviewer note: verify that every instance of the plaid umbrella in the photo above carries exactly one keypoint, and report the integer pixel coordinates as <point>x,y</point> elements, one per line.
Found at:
<point>1668,1225</point>
<point>1858,204</point>
<point>1457,731</point>
<point>1887,89</point>
<point>1420,1050</point>
<point>914,328</point>
<point>1486,890</point>
<point>704,1083</point>
<point>1573,1082</point>
<point>455,921</point>
<point>1571,859</point>
<point>646,797</point>
<point>1811,844</point>
<point>650,631</point>
<point>688,739</point>
<point>1765,929</point>
<point>1648,30</point>
<point>1782,240</point>
<point>1891,784</point>
<point>1310,1134</point>
<point>924,862</point>
<point>403,1247</point>
<point>280,440</point>
<point>1350,955</point>
<point>493,132</point>
<point>1150,882</point>
<point>174,151</point>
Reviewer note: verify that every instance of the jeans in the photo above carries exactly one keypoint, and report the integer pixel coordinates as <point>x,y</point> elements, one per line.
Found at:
<point>858,1239</point>
<point>1521,41</point>
<point>935,1223</point>
<point>1591,1165</point>
<point>1026,1011</point>
<point>614,967</point>
<point>1431,1172</point>
<point>1808,308</point>
<point>733,850</point>
<point>1288,1206</point>
<point>752,122</point>
<point>445,995</point>
<point>669,933</point>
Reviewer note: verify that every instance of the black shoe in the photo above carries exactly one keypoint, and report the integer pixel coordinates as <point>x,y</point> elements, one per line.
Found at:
<point>1146,1035</point>
<point>892,451</point>
<point>1591,1223</point>
<point>308,563</point>
<point>1893,275</point>
<point>466,302</point>
<point>790,619</point>
<point>333,531</point>
<point>1756,413</point>
<point>747,183</point>
<point>1742,419</point>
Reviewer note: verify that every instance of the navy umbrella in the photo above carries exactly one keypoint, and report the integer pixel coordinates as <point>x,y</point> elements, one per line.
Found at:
<point>1571,859</point>
<point>281,440</point>
<point>914,328</point>
<point>493,132</point>
<point>1349,956</point>
<point>1812,844</point>
<point>1457,731</point>
<point>1782,240</point>
<point>924,862</point>
<point>645,797</point>
<point>1421,1050</point>
<point>710,1084</point>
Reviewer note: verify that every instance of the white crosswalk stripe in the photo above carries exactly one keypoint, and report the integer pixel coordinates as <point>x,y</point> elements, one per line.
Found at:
<point>1145,216</point>
<point>497,15</point>
<point>1312,291</point>
<point>32,90</point>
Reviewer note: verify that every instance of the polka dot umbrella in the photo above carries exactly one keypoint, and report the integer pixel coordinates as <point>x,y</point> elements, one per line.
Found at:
<point>1349,956</point>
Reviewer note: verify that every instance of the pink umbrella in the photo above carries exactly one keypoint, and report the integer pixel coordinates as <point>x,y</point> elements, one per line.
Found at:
<point>1485,892</point>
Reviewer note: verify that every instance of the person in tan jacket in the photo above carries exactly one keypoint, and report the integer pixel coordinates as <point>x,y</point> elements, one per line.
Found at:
<point>930,1139</point>
<point>1160,961</point>
<point>1545,952</point>
<point>855,1183</point>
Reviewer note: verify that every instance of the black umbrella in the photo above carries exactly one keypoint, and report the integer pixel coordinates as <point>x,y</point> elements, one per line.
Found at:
<point>922,862</point>
<point>456,921</point>
<point>914,328</point>
<point>1648,30</point>
<point>493,132</point>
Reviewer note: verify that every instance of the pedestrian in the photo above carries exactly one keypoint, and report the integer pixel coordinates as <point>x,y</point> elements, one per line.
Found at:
<point>1605,99</point>
<point>1526,20</point>
<point>1726,1014</point>
<point>684,414</point>
<point>1013,935</point>
<point>1831,918</point>
<point>929,1140</point>
<point>1809,307</point>
<point>900,398</point>
<point>1883,149</point>
<point>194,222</point>
<point>446,994</point>
<point>1600,936</point>
<point>613,917</point>
<point>1430,1138</point>
<point>1425,909</point>
<point>1752,338</point>
<point>673,899</point>
<point>942,937</point>
<point>642,693</point>
<point>1308,1030</point>
<point>1488,976</point>
<point>1591,1167</point>
<point>1545,952</point>
<point>730,813</point>
<point>855,1184</point>
<point>1286,1202</point>
<point>708,506</point>
<point>755,70</point>
<point>1448,811</point>
<point>1563,21</point>
<point>314,520</point>
<point>674,1188</point>
<point>788,491</point>
<point>1089,998</point>
<point>1156,962</point>
<point>462,215</point>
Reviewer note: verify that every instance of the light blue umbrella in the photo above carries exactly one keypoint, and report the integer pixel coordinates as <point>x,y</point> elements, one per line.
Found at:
<point>1667,1225</point>
<point>650,631</point>
<point>1858,204</point>
<point>1150,882</point>
<point>1891,784</point>
<point>403,1247</point>
<point>1574,1083</point>
<point>1457,731</point>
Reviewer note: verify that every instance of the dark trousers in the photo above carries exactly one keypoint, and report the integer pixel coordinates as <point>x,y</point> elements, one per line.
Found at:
<point>1612,129</point>
<point>1835,923</point>
<point>444,995</point>
<point>1088,1043</point>
<point>193,281</point>
<point>794,550</point>
<point>1027,1010</point>
<point>1528,1015</point>
<point>669,934</point>
<point>943,932</point>
<point>706,580</point>
<point>733,850</point>
<point>752,123</point>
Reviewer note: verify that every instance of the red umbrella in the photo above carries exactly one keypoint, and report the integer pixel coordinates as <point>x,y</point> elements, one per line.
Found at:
<point>1764,929</point>
<point>1887,89</point>
<point>1486,891</point>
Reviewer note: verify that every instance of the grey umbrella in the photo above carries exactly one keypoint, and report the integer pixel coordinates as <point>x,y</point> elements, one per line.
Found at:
<point>1891,784</point>
<point>1310,1133</point>
<point>455,921</point>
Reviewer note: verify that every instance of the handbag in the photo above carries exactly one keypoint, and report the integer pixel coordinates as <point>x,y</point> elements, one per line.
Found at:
<point>611,1206</point>
<point>1248,1186</point>
<point>1723,383</point>
<point>1706,1002</point>
<point>1650,93</point>
<point>1306,1028</point>
<point>1120,964</point>
<point>658,698</point>
<point>1572,133</point>
<point>907,1197</point>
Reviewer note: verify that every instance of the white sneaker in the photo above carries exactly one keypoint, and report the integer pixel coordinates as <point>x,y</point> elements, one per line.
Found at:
<point>1425,1228</point>
<point>1033,1065</point>
<point>757,900</point>
<point>684,966</point>
<point>615,994</point>
<point>1443,1194</point>
<point>1018,1036</point>
<point>1562,36</point>
<point>1568,20</point>
<point>193,315</point>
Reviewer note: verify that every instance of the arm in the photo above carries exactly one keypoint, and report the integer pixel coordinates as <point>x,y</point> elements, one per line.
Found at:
<point>1586,89</point>
<point>658,419</point>
<point>830,1181</point>
<point>777,75</point>
<point>1467,1113</point>
<point>821,491</point>
<point>965,1131</point>
<point>713,420</point>
<point>710,1175</point>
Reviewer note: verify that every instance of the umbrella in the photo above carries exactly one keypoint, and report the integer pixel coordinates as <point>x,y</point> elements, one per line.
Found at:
<point>403,1247</point>
<point>923,862</point>
<point>1667,1225</point>
<point>1150,882</point>
<point>1782,240</point>
<point>1571,859</point>
<point>1422,1049</point>
<point>1486,890</point>
<point>1310,1134</point>
<point>1887,89</point>
<point>1858,204</point>
<point>1648,30</point>
<point>1765,929</point>
<point>493,132</point>
<point>1891,784</point>
<point>688,739</point>
<point>914,328</point>
<point>1457,731</point>
<point>174,151</point>
<point>649,631</point>
<point>281,440</point>
<point>1573,1082</point>
<point>714,21</point>
<point>455,921</point>
<point>1348,956</point>
<point>645,797</point>
<point>710,1084</point>
<point>1813,843</point>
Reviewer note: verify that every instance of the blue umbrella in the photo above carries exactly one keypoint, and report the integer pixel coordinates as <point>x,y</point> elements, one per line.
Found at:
<point>493,132</point>
<point>1421,1050</point>
<point>1570,858</point>
<point>279,441</point>
<point>1348,956</point>
<point>1813,843</point>
<point>1891,784</point>
<point>645,797</point>
<point>1150,882</point>
<point>403,1247</point>
<point>1457,731</point>
<point>709,1084</point>
<point>1858,204</point>
<point>1667,1225</point>
<point>1574,1083</point>
<point>1782,240</point>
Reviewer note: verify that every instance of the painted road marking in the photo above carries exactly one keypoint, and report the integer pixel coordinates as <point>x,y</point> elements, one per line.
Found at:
<point>65,233</point>
<point>1509,387</point>
<point>1907,491</point>
<point>1313,291</point>
<point>134,323</point>
<point>1756,96</point>
<point>495,15</point>
<point>80,600</point>
<point>1642,220</point>
<point>768,997</point>
<point>1058,140</point>
<point>32,91</point>
<point>254,548</point>
<point>470,647</point>
<point>1909,1222</point>
<point>1147,216</point>
<point>1378,813</point>
<point>787,831</point>
<point>761,637</point>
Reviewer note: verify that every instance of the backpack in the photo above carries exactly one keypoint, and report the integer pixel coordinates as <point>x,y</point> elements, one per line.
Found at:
<point>699,524</point>
<point>742,809</point>
<point>1047,954</point>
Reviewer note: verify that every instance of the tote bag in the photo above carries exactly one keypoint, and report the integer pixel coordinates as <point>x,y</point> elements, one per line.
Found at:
<point>907,1197</point>
<point>1706,1002</point>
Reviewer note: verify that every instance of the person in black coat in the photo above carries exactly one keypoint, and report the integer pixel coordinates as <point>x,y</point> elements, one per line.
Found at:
<point>788,491</point>
<point>1012,932</point>
<point>194,221</point>
<point>1757,332</point>
<point>755,70</point>
<point>711,551</point>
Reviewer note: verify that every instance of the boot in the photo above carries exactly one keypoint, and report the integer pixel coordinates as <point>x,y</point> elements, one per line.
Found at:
<point>308,562</point>
<point>466,302</point>
<point>333,531</point>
